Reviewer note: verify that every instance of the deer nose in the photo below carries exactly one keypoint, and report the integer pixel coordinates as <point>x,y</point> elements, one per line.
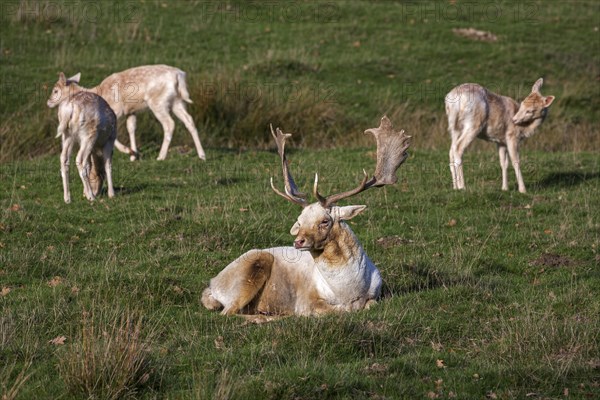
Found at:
<point>299,243</point>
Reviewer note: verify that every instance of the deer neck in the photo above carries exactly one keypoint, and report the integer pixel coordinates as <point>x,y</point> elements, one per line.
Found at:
<point>341,250</point>
<point>526,131</point>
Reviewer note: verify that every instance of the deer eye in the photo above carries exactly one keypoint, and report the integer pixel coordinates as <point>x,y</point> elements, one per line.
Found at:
<point>325,222</point>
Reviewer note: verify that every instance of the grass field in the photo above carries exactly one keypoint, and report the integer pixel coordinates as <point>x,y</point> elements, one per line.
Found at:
<point>502,287</point>
<point>487,294</point>
<point>318,68</point>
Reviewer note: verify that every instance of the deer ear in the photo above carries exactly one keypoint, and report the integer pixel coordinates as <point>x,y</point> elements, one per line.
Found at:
<point>537,85</point>
<point>61,78</point>
<point>75,78</point>
<point>548,100</point>
<point>348,212</point>
<point>295,229</point>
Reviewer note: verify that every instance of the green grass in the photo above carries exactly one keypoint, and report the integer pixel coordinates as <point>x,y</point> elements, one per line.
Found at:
<point>507,295</point>
<point>501,287</point>
<point>321,69</point>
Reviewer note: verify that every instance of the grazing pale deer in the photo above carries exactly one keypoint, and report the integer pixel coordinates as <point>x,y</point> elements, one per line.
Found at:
<point>87,119</point>
<point>473,111</point>
<point>327,270</point>
<point>160,88</point>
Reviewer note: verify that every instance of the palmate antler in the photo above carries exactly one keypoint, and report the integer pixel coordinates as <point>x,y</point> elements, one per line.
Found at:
<point>391,153</point>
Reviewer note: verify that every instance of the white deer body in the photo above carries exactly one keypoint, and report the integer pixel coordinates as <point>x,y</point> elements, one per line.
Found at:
<point>86,119</point>
<point>301,282</point>
<point>161,88</point>
<point>327,270</point>
<point>475,112</point>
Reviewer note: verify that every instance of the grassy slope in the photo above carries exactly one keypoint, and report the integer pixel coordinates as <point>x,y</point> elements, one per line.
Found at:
<point>471,294</point>
<point>343,64</point>
<point>477,294</point>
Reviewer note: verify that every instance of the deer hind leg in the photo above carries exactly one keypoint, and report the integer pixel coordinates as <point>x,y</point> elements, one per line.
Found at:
<point>65,156</point>
<point>131,125</point>
<point>502,154</point>
<point>181,113</point>
<point>83,165</point>
<point>453,167</point>
<point>466,137</point>
<point>107,153</point>
<point>461,138</point>
<point>251,275</point>
<point>161,112</point>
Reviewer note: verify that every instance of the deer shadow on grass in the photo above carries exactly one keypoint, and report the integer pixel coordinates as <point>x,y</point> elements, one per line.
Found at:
<point>422,277</point>
<point>126,190</point>
<point>566,179</point>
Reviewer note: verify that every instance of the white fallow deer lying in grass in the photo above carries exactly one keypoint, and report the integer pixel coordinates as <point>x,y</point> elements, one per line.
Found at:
<point>87,119</point>
<point>473,111</point>
<point>327,270</point>
<point>160,88</point>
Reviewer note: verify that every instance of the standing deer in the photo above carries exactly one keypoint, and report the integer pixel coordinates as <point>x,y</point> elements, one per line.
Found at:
<point>473,111</point>
<point>160,88</point>
<point>85,118</point>
<point>327,270</point>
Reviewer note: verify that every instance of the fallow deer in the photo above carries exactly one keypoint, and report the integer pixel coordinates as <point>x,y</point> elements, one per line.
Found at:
<point>87,119</point>
<point>327,270</point>
<point>161,88</point>
<point>473,111</point>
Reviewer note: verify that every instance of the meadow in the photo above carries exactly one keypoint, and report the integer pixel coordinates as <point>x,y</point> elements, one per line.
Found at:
<point>487,294</point>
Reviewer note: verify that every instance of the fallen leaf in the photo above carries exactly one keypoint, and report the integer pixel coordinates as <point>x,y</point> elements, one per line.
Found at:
<point>74,290</point>
<point>452,222</point>
<point>54,282</point>
<point>491,395</point>
<point>219,344</point>
<point>58,341</point>
<point>5,291</point>
<point>440,363</point>
<point>437,346</point>
<point>177,289</point>
<point>432,395</point>
<point>16,207</point>
<point>475,34</point>
<point>356,44</point>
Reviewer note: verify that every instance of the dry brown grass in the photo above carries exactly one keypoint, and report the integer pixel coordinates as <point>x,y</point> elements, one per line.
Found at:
<point>11,384</point>
<point>108,359</point>
<point>236,113</point>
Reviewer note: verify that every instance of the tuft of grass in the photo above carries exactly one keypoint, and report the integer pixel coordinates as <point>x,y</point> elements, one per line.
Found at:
<point>235,110</point>
<point>108,359</point>
<point>11,381</point>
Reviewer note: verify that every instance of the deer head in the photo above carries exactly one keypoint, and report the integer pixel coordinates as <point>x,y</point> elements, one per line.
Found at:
<point>317,222</point>
<point>61,90</point>
<point>533,107</point>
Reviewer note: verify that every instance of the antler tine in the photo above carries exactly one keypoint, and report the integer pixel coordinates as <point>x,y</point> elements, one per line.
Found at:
<point>327,202</point>
<point>391,153</point>
<point>291,190</point>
